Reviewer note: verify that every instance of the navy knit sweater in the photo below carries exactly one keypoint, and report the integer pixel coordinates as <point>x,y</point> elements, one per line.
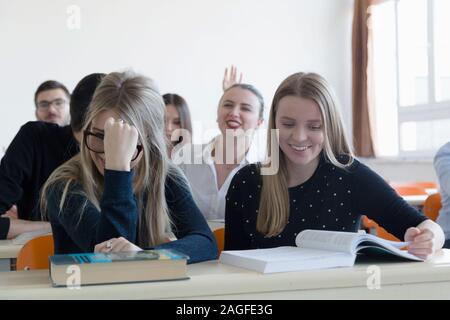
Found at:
<point>332,199</point>
<point>79,226</point>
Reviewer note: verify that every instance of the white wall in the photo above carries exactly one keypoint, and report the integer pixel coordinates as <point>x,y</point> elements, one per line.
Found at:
<point>403,170</point>
<point>183,45</point>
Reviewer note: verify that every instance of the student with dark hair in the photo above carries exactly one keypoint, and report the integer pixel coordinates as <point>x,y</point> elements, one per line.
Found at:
<point>37,150</point>
<point>52,103</point>
<point>81,98</point>
<point>178,121</point>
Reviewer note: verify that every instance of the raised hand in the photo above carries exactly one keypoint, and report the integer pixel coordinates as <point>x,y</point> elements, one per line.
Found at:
<point>120,144</point>
<point>230,78</point>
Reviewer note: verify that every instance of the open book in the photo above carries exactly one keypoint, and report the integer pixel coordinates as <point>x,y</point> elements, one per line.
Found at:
<point>316,249</point>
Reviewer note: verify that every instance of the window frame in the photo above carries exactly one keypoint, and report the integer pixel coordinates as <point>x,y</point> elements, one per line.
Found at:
<point>430,111</point>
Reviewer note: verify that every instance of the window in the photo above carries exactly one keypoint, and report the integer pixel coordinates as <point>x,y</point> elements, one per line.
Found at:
<point>410,86</point>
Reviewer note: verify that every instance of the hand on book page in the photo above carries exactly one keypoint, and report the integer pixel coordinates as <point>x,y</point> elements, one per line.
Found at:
<point>351,242</point>
<point>425,240</point>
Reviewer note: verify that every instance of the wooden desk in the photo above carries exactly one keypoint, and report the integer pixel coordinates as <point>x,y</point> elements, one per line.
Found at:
<point>417,200</point>
<point>216,224</point>
<point>8,254</point>
<point>211,280</point>
<point>431,191</point>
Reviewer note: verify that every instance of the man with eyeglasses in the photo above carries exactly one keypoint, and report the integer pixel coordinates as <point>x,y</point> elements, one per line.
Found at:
<point>35,152</point>
<point>52,103</point>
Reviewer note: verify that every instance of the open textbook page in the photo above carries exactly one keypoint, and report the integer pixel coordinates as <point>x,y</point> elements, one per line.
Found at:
<point>316,249</point>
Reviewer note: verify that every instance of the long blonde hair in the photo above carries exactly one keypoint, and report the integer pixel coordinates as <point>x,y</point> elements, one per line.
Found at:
<point>274,204</point>
<point>136,99</point>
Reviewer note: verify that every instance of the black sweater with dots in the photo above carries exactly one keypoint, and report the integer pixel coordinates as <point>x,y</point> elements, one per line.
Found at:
<point>332,199</point>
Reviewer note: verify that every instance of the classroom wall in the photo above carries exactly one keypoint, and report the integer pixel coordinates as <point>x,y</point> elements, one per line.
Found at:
<point>403,170</point>
<point>183,45</point>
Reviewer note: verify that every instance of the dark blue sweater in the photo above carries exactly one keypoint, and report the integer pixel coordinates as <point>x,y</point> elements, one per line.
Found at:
<point>332,199</point>
<point>80,226</point>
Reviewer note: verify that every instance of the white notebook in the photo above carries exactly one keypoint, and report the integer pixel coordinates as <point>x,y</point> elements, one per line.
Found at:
<point>315,249</point>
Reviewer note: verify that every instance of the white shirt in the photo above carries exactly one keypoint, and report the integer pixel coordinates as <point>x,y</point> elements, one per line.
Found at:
<point>442,167</point>
<point>202,176</point>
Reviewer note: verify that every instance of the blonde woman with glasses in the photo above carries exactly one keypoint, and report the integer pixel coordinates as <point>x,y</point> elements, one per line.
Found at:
<point>319,184</point>
<point>122,193</point>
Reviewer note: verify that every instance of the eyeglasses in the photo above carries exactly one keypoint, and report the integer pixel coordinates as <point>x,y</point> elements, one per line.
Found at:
<point>94,142</point>
<point>59,103</point>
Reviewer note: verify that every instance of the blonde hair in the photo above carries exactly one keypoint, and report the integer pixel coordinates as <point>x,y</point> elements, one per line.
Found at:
<point>274,204</point>
<point>136,99</point>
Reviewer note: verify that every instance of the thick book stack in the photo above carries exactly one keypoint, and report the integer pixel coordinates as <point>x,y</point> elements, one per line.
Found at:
<point>120,267</point>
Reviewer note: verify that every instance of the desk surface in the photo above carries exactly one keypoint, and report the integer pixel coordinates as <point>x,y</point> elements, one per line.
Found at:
<point>216,224</point>
<point>212,280</point>
<point>9,250</point>
<point>417,200</point>
<point>431,191</point>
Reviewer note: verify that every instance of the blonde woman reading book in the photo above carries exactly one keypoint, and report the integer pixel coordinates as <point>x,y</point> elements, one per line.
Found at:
<point>122,193</point>
<point>319,184</point>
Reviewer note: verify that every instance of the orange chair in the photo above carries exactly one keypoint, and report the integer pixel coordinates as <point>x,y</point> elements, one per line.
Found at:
<point>220,239</point>
<point>382,233</point>
<point>376,229</point>
<point>369,225</point>
<point>425,184</point>
<point>34,254</point>
<point>432,206</point>
<point>409,190</point>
